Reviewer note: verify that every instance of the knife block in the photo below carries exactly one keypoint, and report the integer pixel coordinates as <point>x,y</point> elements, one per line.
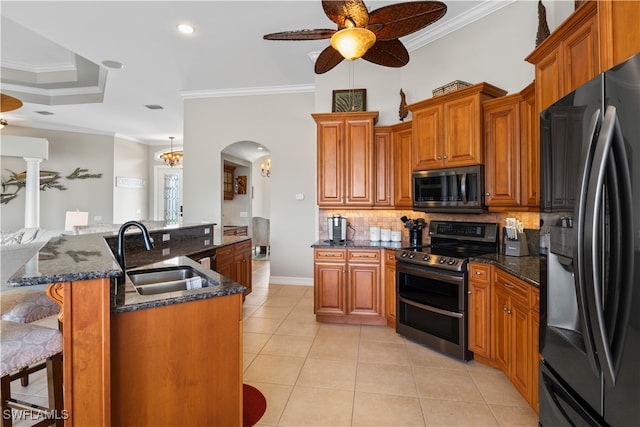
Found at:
<point>518,247</point>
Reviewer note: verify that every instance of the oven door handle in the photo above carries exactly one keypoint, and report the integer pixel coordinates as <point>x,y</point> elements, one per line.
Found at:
<point>432,309</point>
<point>432,273</point>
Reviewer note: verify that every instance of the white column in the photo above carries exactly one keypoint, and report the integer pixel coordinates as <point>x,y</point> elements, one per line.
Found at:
<point>32,196</point>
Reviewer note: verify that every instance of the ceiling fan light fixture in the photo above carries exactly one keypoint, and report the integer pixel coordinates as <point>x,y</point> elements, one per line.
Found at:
<point>353,43</point>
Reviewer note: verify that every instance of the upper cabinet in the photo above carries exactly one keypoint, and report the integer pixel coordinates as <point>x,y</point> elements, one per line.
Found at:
<point>345,144</point>
<point>597,36</point>
<point>402,137</point>
<point>383,166</point>
<point>447,129</point>
<point>512,151</point>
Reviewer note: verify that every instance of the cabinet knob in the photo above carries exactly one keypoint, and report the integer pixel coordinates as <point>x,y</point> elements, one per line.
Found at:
<point>505,309</point>
<point>478,273</point>
<point>445,157</point>
<point>508,311</point>
<point>487,194</point>
<point>439,157</point>
<point>468,292</point>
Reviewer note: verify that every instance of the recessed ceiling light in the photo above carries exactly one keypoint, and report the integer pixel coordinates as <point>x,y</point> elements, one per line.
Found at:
<point>260,148</point>
<point>45,113</point>
<point>154,107</point>
<point>186,28</point>
<point>115,65</point>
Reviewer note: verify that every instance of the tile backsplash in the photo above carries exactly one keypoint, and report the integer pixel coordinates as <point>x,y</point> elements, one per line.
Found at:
<point>361,220</point>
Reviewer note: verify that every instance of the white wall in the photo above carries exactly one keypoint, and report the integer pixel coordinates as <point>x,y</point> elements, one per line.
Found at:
<point>67,151</point>
<point>261,201</point>
<point>132,160</point>
<point>282,123</point>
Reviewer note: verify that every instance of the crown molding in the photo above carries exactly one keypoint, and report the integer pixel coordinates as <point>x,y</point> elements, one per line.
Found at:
<point>264,90</point>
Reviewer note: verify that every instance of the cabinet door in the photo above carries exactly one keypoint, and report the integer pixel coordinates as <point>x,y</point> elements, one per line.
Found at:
<point>402,182</point>
<point>330,162</point>
<point>390,286</point>
<point>479,318</point>
<point>520,340</point>
<point>581,55</point>
<point>618,31</point>
<point>364,297</point>
<point>549,81</point>
<point>242,264</point>
<point>462,137</point>
<point>359,163</point>
<point>427,149</point>
<point>329,288</point>
<point>224,262</point>
<point>502,152</point>
<point>501,329</point>
<point>383,166</point>
<point>530,151</point>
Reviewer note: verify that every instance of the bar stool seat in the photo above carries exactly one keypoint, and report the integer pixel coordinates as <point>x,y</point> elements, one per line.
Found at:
<point>26,348</point>
<point>28,304</point>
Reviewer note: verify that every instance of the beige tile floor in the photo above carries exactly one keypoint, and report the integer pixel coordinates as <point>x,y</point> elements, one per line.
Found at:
<point>317,374</point>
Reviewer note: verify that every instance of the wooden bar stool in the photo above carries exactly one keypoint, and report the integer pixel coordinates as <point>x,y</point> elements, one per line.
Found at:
<point>25,349</point>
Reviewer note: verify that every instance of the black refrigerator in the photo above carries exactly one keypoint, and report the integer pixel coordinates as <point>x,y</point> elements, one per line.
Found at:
<point>590,277</point>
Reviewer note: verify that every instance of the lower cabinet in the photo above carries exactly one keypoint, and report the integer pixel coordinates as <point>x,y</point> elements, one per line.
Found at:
<point>503,326</point>
<point>389,285</point>
<point>348,286</point>
<point>234,262</point>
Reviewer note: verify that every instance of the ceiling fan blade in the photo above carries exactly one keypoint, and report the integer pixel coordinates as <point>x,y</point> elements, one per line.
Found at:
<point>401,19</point>
<point>300,35</point>
<point>390,53</point>
<point>9,103</point>
<point>339,10</point>
<point>327,59</point>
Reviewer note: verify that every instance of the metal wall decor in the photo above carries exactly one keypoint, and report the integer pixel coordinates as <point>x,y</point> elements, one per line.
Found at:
<point>48,179</point>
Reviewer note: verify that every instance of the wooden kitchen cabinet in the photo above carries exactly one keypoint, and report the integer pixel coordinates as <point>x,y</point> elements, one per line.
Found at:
<point>348,286</point>
<point>502,151</point>
<point>228,182</point>
<point>512,330</point>
<point>345,148</point>
<point>480,311</point>
<point>229,230</point>
<point>597,36</point>
<point>447,129</point>
<point>383,167</point>
<point>234,262</point>
<point>402,166</point>
<point>389,277</point>
<point>512,151</point>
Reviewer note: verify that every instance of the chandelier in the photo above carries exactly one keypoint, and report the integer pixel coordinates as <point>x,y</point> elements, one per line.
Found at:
<point>172,158</point>
<point>265,169</point>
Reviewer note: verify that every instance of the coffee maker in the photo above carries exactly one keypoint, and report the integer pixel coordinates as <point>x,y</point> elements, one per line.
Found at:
<point>337,228</point>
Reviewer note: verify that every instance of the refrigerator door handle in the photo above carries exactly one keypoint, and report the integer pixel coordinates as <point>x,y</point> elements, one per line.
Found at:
<point>609,297</point>
<point>580,270</point>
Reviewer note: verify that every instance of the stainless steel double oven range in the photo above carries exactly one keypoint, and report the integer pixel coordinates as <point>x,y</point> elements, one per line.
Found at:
<point>432,285</point>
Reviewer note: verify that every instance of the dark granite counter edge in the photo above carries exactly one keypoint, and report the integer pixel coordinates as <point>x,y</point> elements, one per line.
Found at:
<point>360,244</point>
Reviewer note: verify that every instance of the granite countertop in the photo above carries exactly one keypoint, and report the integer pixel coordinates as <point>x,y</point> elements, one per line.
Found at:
<point>126,298</point>
<point>360,244</point>
<point>526,268</point>
<point>84,257</point>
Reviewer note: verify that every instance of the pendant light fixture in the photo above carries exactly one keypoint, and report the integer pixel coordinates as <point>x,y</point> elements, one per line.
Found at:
<point>172,158</point>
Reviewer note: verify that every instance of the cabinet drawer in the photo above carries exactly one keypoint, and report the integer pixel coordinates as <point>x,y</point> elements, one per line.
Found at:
<point>335,255</point>
<point>516,288</point>
<point>480,273</point>
<point>364,255</point>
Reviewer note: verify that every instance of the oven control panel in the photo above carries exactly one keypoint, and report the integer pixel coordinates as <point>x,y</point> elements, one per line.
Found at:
<point>431,260</point>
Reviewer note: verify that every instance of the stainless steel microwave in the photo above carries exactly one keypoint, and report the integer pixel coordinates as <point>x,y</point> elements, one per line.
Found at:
<point>449,190</point>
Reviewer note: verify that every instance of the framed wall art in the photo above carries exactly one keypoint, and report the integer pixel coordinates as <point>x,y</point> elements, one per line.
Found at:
<point>349,100</point>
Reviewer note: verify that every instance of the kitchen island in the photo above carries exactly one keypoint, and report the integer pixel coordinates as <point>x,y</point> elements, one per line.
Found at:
<point>117,343</point>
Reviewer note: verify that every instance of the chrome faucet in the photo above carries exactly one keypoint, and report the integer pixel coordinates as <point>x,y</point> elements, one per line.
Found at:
<point>148,242</point>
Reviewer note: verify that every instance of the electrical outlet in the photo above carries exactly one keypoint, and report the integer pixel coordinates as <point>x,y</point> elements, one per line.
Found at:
<point>166,251</point>
<point>300,196</point>
<point>97,218</point>
<point>166,237</point>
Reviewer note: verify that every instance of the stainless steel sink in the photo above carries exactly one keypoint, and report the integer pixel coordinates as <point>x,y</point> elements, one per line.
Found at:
<point>162,280</point>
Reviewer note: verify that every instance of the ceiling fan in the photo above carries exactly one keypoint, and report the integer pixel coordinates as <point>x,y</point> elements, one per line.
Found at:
<point>372,36</point>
